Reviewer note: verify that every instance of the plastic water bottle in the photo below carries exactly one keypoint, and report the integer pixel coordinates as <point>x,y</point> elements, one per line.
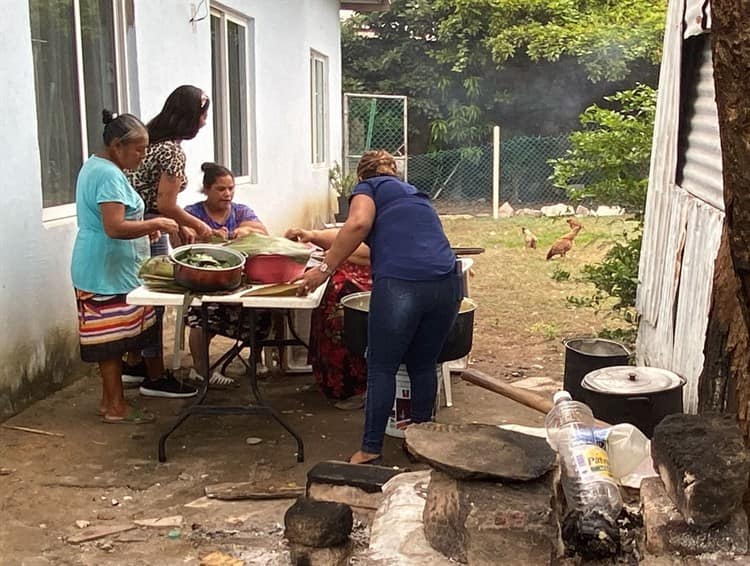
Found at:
<point>586,479</point>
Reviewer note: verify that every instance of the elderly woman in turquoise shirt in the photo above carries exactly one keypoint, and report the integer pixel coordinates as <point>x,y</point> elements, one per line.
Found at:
<point>112,241</point>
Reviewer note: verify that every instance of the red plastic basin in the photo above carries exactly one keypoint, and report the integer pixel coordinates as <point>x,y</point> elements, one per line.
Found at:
<point>272,268</point>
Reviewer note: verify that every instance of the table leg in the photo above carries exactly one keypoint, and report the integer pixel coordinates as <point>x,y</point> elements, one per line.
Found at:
<point>258,407</point>
<point>253,378</point>
<point>202,390</point>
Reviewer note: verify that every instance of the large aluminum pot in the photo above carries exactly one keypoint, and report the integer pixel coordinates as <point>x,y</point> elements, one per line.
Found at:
<point>207,280</point>
<point>356,309</point>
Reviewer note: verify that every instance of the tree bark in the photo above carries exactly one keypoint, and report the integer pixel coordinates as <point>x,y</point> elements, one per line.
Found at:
<point>730,35</point>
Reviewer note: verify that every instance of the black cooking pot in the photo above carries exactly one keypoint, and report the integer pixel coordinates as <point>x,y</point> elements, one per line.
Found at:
<point>584,355</point>
<point>641,396</point>
<point>356,309</point>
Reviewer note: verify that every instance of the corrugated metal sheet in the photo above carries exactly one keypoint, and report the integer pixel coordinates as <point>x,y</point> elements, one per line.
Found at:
<point>662,170</point>
<point>697,17</point>
<point>704,226</point>
<point>656,346</point>
<point>702,173</point>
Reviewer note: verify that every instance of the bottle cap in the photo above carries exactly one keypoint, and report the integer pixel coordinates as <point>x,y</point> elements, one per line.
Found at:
<point>561,396</point>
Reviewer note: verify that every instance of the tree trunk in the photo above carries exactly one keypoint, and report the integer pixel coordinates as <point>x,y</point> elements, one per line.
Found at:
<point>724,381</point>
<point>731,56</point>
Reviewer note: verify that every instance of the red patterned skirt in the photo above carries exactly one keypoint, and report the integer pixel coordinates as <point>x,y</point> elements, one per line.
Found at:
<point>339,373</point>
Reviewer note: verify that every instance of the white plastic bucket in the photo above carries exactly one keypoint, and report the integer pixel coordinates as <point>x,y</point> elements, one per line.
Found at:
<point>401,412</point>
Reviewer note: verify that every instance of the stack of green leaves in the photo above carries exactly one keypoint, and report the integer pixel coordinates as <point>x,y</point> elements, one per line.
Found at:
<point>257,244</point>
<point>158,275</point>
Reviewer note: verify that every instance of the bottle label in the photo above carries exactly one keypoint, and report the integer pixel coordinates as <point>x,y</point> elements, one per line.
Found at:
<point>591,462</point>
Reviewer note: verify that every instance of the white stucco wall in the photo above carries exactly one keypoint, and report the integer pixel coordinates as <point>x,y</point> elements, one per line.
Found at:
<point>38,340</point>
<point>289,190</point>
<point>37,309</point>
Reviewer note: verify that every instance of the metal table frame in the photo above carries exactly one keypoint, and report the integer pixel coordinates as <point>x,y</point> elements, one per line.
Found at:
<point>257,405</point>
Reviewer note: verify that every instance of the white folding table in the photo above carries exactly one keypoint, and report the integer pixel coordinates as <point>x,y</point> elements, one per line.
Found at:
<point>250,305</point>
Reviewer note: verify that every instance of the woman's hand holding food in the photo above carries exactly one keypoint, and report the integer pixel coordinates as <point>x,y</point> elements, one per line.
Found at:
<point>311,280</point>
<point>187,235</point>
<point>164,224</point>
<point>202,230</point>
<point>222,233</point>
<point>299,235</point>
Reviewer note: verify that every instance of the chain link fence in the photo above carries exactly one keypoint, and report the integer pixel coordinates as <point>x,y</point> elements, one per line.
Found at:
<point>374,122</point>
<point>460,180</point>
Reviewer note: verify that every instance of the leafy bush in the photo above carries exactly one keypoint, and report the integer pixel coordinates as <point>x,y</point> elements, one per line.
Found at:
<point>609,159</point>
<point>608,164</point>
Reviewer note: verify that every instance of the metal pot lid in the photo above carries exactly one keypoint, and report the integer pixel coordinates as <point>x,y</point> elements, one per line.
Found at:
<point>629,380</point>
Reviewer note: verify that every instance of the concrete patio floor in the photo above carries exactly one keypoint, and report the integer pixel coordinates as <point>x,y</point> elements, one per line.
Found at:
<point>109,475</point>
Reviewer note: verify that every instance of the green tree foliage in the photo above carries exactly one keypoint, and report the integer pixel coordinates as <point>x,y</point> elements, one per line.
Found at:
<point>530,65</point>
<point>609,164</point>
<point>609,159</point>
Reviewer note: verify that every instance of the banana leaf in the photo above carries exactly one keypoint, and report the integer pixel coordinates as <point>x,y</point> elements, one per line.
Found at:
<point>157,266</point>
<point>257,244</point>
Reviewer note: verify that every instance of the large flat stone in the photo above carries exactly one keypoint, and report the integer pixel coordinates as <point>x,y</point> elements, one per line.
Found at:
<point>478,451</point>
<point>668,532</point>
<point>486,523</point>
<point>704,465</point>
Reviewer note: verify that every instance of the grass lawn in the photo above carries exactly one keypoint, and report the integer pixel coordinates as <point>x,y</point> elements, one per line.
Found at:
<point>523,309</point>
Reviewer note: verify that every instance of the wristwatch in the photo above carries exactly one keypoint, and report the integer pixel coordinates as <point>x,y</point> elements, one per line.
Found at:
<point>325,268</point>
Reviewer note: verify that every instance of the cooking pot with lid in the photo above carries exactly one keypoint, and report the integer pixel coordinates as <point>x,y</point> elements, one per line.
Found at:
<point>641,396</point>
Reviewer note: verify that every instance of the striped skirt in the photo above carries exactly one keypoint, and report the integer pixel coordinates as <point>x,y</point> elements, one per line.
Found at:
<point>108,327</point>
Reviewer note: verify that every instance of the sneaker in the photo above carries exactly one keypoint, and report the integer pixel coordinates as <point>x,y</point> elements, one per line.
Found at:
<point>217,378</point>
<point>134,375</point>
<point>168,387</point>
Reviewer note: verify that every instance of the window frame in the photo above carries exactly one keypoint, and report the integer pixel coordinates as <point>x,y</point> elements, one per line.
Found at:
<point>68,210</point>
<point>317,56</point>
<point>223,155</point>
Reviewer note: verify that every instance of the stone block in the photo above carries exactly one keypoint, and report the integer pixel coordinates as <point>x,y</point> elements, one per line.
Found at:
<point>318,523</point>
<point>369,479</point>
<point>486,523</point>
<point>346,494</point>
<point>704,465</point>
<point>302,555</point>
<point>505,211</point>
<point>667,531</point>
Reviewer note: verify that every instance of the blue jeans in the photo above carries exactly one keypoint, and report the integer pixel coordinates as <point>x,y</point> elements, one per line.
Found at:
<point>155,350</point>
<point>408,323</point>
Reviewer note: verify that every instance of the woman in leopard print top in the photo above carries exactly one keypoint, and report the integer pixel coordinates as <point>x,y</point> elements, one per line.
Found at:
<point>160,177</point>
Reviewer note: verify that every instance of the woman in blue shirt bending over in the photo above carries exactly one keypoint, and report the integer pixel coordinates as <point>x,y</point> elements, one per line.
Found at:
<point>416,291</point>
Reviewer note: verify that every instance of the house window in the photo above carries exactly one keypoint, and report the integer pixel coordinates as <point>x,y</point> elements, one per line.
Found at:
<point>76,76</point>
<point>232,90</point>
<point>319,107</point>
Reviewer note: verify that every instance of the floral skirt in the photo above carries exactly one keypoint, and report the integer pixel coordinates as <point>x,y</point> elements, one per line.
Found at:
<point>339,373</point>
<point>231,321</point>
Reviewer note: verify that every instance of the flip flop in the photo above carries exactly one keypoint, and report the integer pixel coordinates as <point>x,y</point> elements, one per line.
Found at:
<point>377,461</point>
<point>135,417</point>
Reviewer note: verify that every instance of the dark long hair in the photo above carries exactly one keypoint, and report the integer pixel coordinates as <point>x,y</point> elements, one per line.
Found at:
<point>211,172</point>
<point>180,118</point>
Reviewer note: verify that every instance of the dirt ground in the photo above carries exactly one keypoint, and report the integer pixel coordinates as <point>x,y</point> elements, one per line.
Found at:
<point>109,475</point>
